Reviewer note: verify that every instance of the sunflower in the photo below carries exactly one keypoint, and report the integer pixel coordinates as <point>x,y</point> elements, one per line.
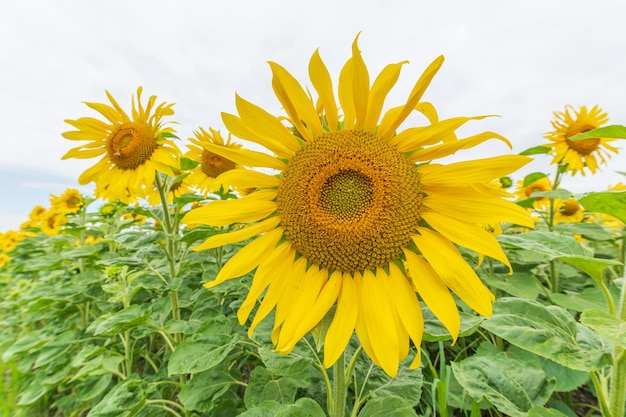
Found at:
<point>567,211</point>
<point>523,192</point>
<point>4,258</point>
<point>69,202</point>
<point>582,153</point>
<point>210,164</point>
<point>357,217</point>
<point>133,149</point>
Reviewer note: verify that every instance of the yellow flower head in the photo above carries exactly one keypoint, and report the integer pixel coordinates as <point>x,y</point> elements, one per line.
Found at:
<point>567,211</point>
<point>357,217</point>
<point>4,258</point>
<point>525,191</point>
<point>583,153</point>
<point>52,222</point>
<point>9,239</point>
<point>211,164</point>
<point>132,148</point>
<point>69,202</point>
<point>37,213</point>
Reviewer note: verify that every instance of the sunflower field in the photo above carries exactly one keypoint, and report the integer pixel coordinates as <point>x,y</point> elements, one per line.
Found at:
<point>327,261</point>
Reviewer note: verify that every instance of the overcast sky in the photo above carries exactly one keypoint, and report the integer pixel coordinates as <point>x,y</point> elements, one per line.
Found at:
<point>522,60</point>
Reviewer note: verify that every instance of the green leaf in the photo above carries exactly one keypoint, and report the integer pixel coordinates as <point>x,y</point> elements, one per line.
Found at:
<point>407,384</point>
<point>391,406</point>
<point>566,379</point>
<point>511,385</point>
<point>286,365</point>
<point>533,177</point>
<point>591,231</point>
<point>550,332</point>
<point>536,150</point>
<point>193,356</point>
<point>548,244</point>
<point>520,284</point>
<point>187,164</point>
<point>204,390</point>
<point>304,407</point>
<point>607,325</point>
<point>544,412</point>
<point>265,409</point>
<point>264,386</point>
<point>607,202</point>
<point>434,331</point>
<point>123,320</point>
<point>612,131</point>
<point>124,400</point>
<point>25,343</point>
<point>561,194</point>
<point>589,298</point>
<point>564,248</point>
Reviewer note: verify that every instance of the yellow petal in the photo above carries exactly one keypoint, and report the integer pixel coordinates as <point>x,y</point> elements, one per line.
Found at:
<point>477,170</point>
<point>445,149</point>
<point>346,98</point>
<point>388,130</point>
<point>428,110</point>
<point>289,278</point>
<point>79,152</point>
<point>450,266</point>
<point>266,123</point>
<point>245,178</point>
<point>245,157</point>
<point>467,235</point>
<point>325,300</point>
<point>247,258</point>
<point>485,209</point>
<point>381,87</point>
<point>434,292</point>
<point>239,235</point>
<point>239,128</point>
<point>408,308</point>
<point>342,326</point>
<point>377,310</point>
<point>323,84</point>
<point>250,208</point>
<point>276,261</point>
<point>414,138</point>
<point>361,85</point>
<point>301,315</point>
<point>110,113</point>
<point>296,102</point>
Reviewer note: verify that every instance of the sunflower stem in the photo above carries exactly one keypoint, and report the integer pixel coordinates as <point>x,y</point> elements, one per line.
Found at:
<point>338,403</point>
<point>617,394</point>
<point>170,249</point>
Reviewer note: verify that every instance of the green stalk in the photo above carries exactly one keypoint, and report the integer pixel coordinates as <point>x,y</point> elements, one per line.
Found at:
<point>170,250</point>
<point>339,389</point>
<point>617,394</point>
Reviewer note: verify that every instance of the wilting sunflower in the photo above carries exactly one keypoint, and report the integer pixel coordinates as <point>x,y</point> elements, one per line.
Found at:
<point>356,216</point>
<point>69,202</point>
<point>133,148</point>
<point>211,164</point>
<point>579,154</point>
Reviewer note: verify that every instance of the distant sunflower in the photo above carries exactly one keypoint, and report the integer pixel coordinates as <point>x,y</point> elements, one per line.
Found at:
<point>69,202</point>
<point>356,216</point>
<point>579,154</point>
<point>568,211</point>
<point>211,164</point>
<point>542,184</point>
<point>133,149</point>
<point>4,259</point>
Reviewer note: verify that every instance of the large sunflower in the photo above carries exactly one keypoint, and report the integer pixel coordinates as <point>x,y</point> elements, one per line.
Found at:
<point>357,217</point>
<point>211,164</point>
<point>579,154</point>
<point>133,148</point>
